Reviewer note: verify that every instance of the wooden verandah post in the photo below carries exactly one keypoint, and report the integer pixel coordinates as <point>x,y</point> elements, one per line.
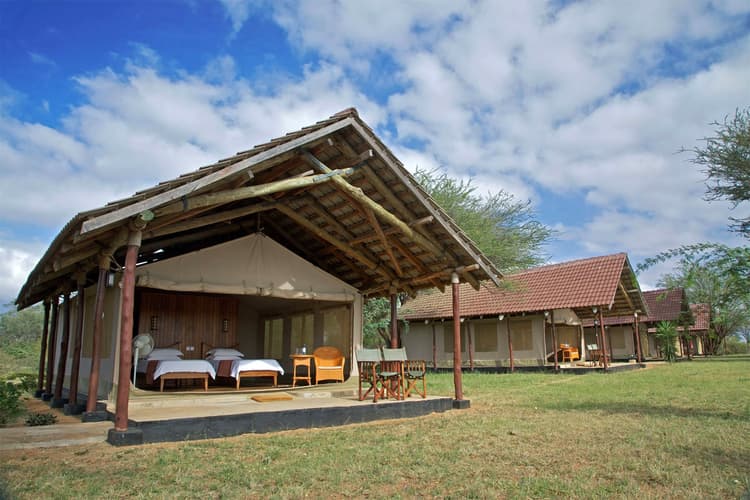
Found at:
<point>510,342</point>
<point>457,380</point>
<point>394,320</point>
<point>555,345</point>
<point>43,351</point>
<point>120,434</point>
<point>57,399</point>
<point>637,330</point>
<point>95,354</point>
<point>72,406</point>
<point>604,339</point>
<point>51,348</point>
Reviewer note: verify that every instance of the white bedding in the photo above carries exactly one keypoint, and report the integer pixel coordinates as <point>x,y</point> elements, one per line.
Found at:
<point>243,365</point>
<point>184,365</point>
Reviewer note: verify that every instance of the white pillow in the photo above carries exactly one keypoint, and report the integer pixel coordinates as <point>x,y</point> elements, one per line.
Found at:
<point>162,354</point>
<point>223,358</point>
<point>220,351</point>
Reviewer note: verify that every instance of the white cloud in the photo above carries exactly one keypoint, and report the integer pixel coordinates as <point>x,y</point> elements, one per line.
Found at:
<point>16,262</point>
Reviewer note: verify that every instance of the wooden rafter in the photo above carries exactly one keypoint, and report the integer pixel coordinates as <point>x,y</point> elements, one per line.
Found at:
<point>384,241</point>
<point>379,210</point>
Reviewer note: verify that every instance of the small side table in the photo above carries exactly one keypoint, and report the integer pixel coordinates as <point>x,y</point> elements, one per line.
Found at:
<point>301,361</point>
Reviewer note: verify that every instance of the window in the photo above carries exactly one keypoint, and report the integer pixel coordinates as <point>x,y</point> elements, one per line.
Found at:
<point>521,335</point>
<point>273,340</point>
<point>448,337</point>
<point>485,336</point>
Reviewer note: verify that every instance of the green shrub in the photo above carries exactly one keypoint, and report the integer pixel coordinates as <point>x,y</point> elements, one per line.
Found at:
<point>666,335</point>
<point>10,402</point>
<point>40,419</point>
<point>25,382</point>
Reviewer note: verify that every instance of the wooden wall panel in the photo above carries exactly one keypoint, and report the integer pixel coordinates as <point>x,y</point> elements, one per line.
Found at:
<point>189,319</point>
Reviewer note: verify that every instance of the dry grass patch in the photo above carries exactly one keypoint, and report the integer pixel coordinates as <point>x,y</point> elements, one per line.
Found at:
<point>672,431</point>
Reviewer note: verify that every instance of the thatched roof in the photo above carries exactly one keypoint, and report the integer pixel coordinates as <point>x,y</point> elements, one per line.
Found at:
<point>372,226</point>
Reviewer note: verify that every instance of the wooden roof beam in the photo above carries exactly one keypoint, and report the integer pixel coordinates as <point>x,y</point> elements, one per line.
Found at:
<point>255,191</point>
<point>379,210</point>
<point>209,220</point>
<point>384,241</point>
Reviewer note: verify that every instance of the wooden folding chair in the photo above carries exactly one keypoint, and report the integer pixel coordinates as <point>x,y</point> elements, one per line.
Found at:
<point>391,374</point>
<point>414,371</point>
<point>368,363</point>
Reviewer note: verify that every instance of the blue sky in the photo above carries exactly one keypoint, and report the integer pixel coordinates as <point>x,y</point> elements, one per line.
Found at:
<point>577,106</point>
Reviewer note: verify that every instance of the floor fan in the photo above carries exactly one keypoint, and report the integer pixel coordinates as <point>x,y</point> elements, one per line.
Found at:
<point>143,344</point>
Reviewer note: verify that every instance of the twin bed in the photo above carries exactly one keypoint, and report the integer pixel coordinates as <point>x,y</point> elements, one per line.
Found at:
<point>218,362</point>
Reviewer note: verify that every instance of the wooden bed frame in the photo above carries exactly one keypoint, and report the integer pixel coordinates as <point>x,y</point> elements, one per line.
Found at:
<point>184,376</point>
<point>205,347</point>
<point>257,373</point>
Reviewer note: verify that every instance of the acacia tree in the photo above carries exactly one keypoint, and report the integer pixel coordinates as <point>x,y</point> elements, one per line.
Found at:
<point>504,228</point>
<point>725,159</point>
<point>716,275</point>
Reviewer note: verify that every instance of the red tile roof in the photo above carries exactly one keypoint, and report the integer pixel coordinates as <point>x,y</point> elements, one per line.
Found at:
<point>664,304</point>
<point>578,285</point>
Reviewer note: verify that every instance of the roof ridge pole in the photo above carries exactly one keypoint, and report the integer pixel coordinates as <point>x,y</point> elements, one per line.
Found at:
<point>72,407</point>
<point>43,351</point>
<point>57,399</point>
<point>604,338</point>
<point>51,347</point>
<point>457,382</point>
<point>96,357</point>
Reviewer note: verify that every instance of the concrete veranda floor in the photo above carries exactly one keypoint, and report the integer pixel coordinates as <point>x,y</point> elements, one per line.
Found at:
<point>197,407</point>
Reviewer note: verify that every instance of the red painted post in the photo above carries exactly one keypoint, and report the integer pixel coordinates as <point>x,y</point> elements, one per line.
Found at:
<point>43,350</point>
<point>470,347</point>
<point>52,348</point>
<point>98,322</point>
<point>75,368</point>
<point>555,345</point>
<point>394,321</point>
<point>126,331</point>
<point>510,344</point>
<point>637,339</point>
<point>604,338</point>
<point>457,381</point>
<point>57,399</point>
<point>434,347</point>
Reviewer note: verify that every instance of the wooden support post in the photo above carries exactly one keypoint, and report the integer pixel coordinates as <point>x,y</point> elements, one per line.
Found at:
<point>126,331</point>
<point>96,337</point>
<point>51,348</point>
<point>554,338</point>
<point>394,320</point>
<point>470,347</point>
<point>43,351</point>
<point>637,330</point>
<point>434,348</point>
<point>604,339</point>
<point>457,382</point>
<point>78,338</point>
<point>510,344</point>
<point>57,400</point>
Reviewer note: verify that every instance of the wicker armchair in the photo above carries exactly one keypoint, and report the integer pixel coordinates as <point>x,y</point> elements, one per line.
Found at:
<point>329,364</point>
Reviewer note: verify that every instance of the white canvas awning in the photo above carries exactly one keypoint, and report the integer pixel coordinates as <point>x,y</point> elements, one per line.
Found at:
<point>253,265</point>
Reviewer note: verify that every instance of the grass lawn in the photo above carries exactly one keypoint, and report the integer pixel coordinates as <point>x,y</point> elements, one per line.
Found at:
<point>679,431</point>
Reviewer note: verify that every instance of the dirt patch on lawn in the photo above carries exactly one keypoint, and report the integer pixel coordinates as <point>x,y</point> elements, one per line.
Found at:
<point>34,405</point>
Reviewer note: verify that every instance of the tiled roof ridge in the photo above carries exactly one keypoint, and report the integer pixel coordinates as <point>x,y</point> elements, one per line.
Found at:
<point>568,263</point>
